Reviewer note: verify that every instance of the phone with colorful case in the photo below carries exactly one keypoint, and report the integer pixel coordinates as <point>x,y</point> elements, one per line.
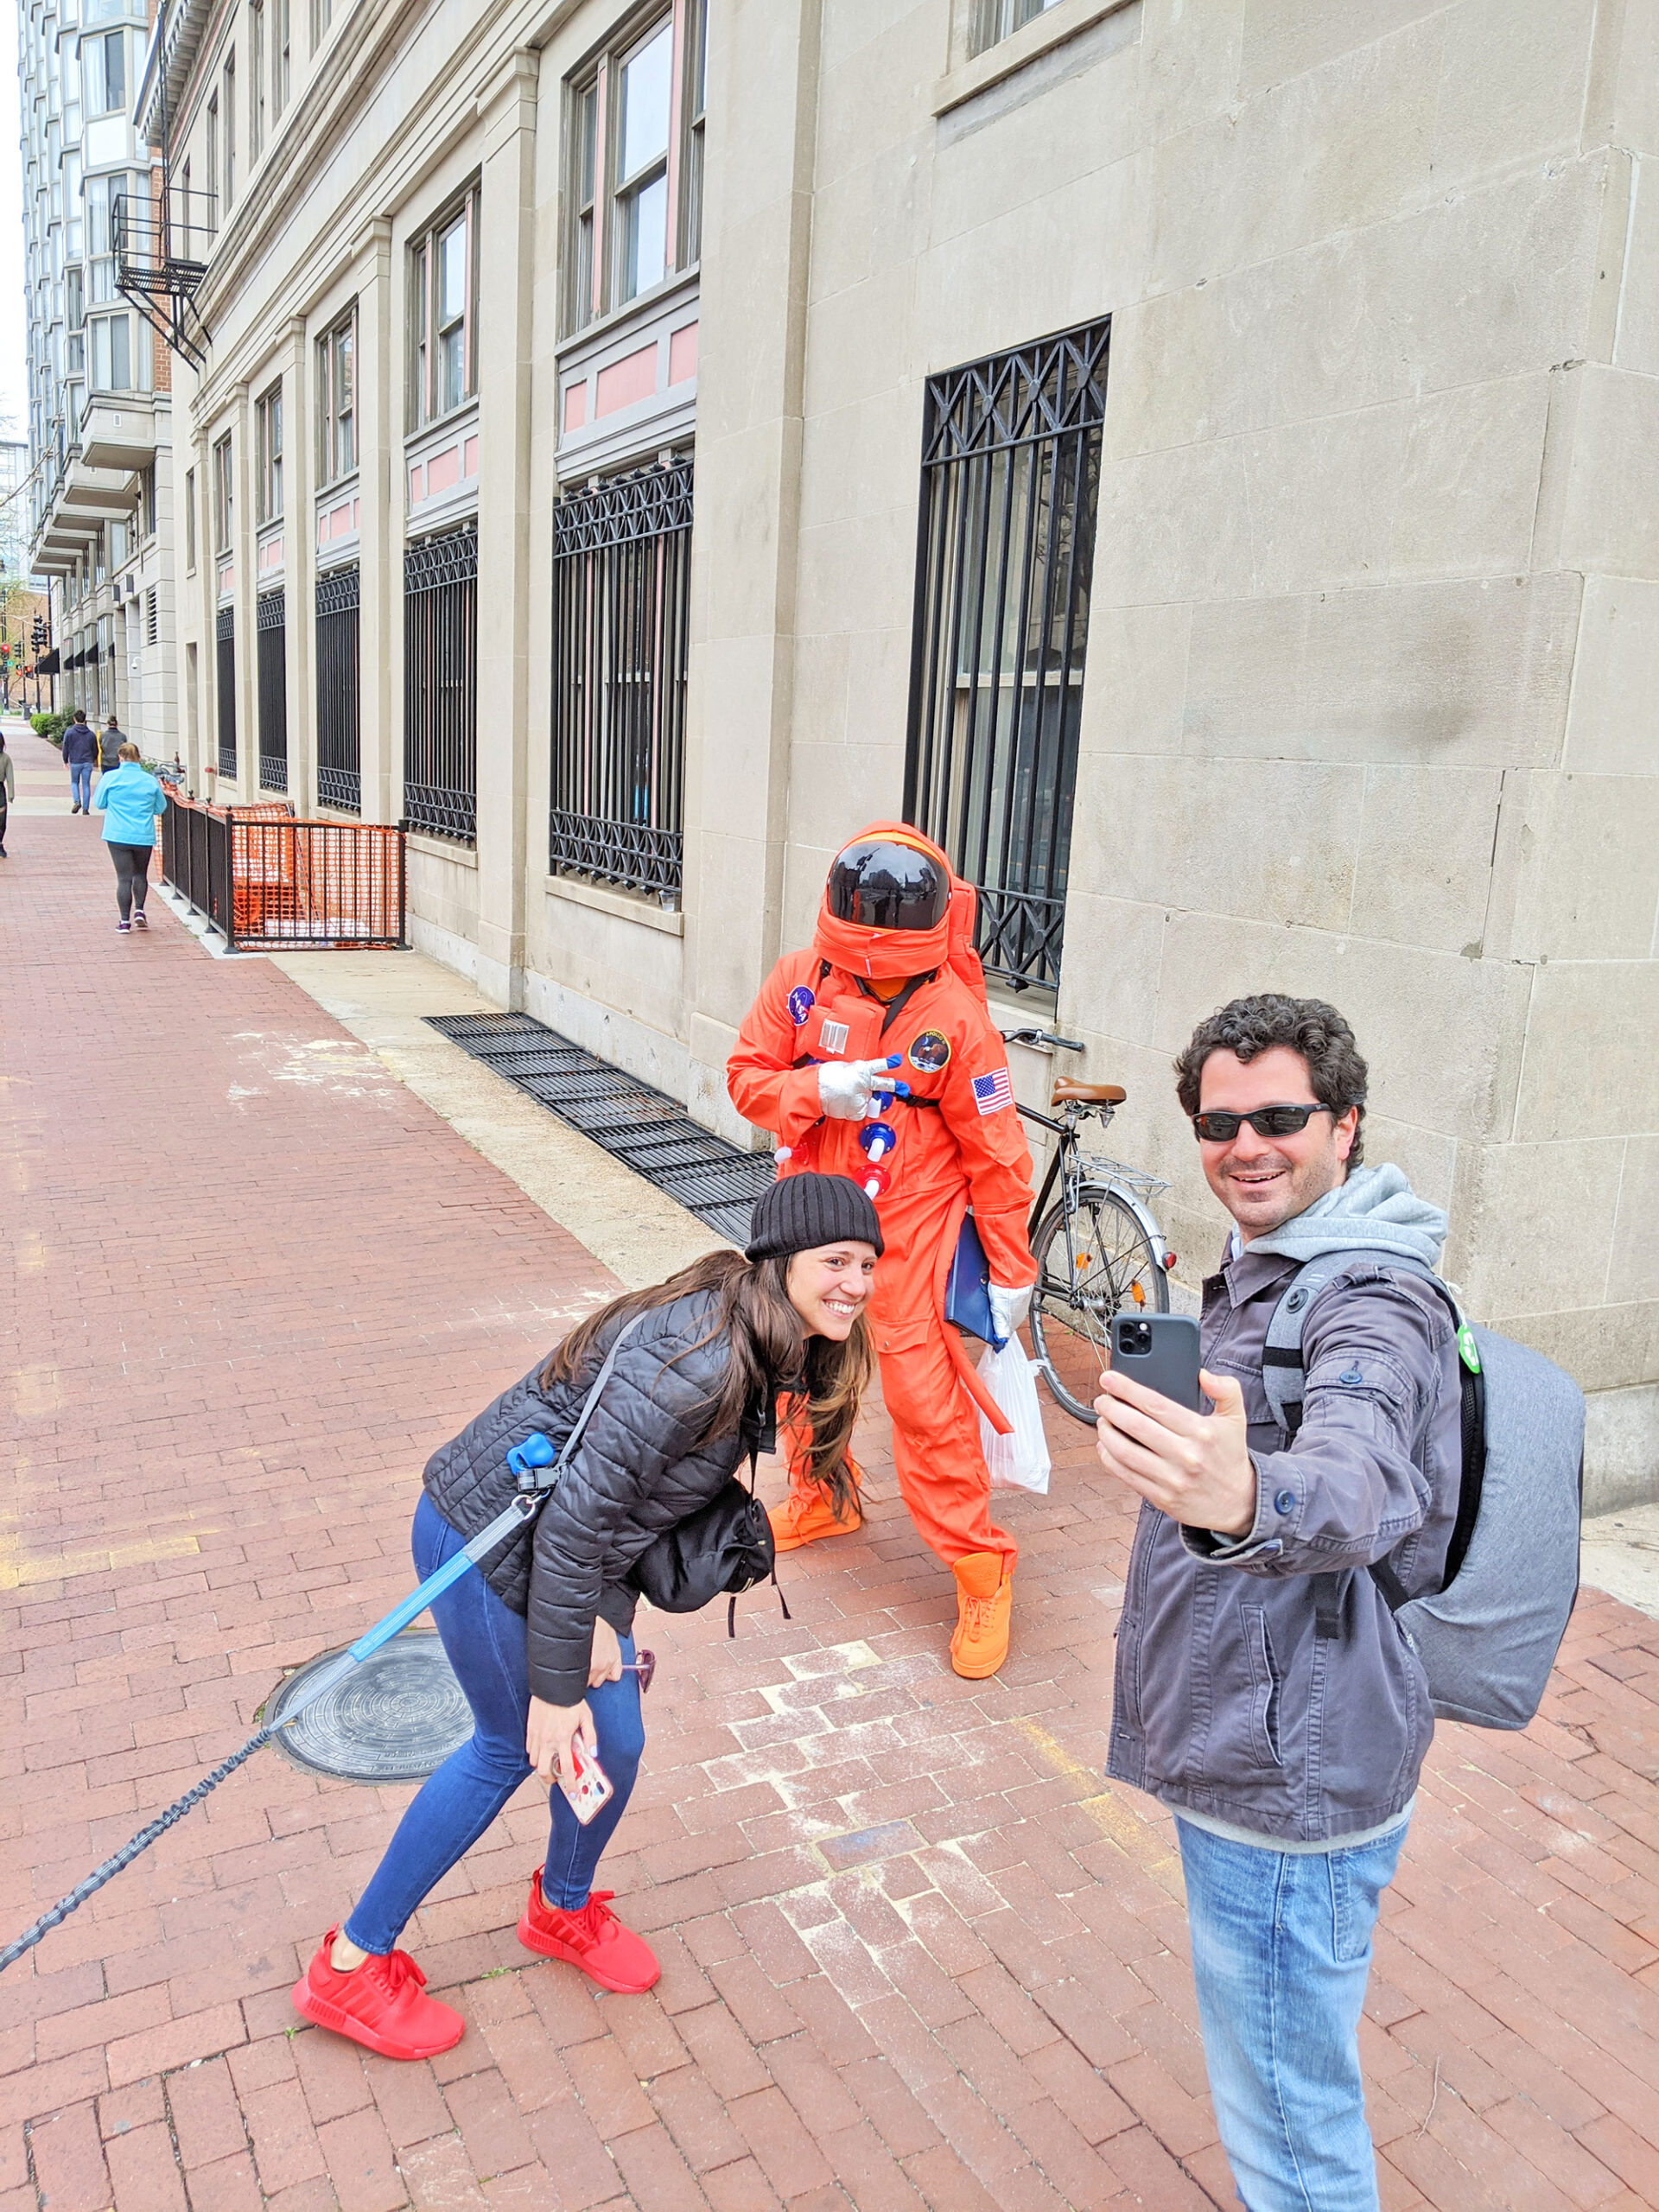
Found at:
<point>587,1788</point>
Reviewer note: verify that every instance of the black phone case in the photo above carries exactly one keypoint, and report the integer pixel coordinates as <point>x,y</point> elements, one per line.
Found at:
<point>1171,1367</point>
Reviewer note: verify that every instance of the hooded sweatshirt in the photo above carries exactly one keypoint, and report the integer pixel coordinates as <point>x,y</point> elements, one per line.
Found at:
<point>1230,1705</point>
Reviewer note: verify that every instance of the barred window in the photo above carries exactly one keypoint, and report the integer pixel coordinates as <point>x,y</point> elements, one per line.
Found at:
<point>273,691</point>
<point>440,685</point>
<point>621,561</point>
<point>1010,481</point>
<point>225,685</point>
<point>340,782</point>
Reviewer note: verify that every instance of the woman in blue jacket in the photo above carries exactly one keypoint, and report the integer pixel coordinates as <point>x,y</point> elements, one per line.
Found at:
<point>129,801</point>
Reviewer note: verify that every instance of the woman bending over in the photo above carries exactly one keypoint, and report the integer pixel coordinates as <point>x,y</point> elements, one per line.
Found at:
<point>540,1634</point>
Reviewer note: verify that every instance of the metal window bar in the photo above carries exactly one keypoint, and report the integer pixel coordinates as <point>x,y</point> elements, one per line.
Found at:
<point>622,571</point>
<point>272,649</point>
<point>225,685</point>
<point>1005,552</point>
<point>340,782</point>
<point>440,686</point>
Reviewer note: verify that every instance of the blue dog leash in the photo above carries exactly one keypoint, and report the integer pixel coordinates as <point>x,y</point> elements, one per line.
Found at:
<point>530,1462</point>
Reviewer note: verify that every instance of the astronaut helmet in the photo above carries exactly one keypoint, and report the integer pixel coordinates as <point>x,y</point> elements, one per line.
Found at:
<point>879,883</point>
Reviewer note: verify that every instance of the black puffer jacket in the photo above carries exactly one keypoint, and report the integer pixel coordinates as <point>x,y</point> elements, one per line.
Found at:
<point>641,1467</point>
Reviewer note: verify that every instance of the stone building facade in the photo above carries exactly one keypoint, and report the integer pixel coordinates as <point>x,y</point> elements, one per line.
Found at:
<point>1193,455</point>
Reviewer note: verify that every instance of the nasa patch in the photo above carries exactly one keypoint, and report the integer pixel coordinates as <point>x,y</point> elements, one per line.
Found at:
<point>930,1052</point>
<point>801,1003</point>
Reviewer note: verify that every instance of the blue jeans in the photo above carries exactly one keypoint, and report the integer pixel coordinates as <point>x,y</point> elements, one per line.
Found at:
<point>1281,1950</point>
<point>80,783</point>
<point>485,1642</point>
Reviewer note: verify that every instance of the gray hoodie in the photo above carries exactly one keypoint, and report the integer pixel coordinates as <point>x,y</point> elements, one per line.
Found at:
<point>1228,1701</point>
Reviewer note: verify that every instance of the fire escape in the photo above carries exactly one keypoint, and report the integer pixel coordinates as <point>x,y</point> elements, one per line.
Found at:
<point>160,246</point>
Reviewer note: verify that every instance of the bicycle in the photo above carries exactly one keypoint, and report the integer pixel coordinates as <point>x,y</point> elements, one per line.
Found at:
<point>1098,1247</point>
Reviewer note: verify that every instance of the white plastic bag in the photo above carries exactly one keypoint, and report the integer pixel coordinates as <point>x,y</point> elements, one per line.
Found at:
<point>1019,1461</point>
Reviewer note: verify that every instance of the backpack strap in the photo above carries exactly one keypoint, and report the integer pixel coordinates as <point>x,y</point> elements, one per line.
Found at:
<point>1283,1378</point>
<point>533,1461</point>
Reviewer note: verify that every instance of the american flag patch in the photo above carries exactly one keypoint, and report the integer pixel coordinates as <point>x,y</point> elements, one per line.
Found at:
<point>993,1092</point>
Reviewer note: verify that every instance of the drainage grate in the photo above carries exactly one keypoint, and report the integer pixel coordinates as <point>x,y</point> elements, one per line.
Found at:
<point>398,1716</point>
<point>640,1126</point>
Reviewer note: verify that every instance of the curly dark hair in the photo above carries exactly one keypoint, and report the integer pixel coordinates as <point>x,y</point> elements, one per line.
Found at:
<point>1308,1026</point>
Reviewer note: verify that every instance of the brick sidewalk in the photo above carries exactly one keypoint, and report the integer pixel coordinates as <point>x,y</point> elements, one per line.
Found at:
<point>915,1952</point>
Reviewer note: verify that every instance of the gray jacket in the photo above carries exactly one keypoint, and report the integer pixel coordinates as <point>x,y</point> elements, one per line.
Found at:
<point>1228,1699</point>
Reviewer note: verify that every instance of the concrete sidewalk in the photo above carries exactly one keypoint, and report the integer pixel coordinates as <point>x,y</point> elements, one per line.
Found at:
<point>916,1953</point>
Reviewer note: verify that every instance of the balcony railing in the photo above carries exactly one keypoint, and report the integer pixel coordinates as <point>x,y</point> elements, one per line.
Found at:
<point>161,250</point>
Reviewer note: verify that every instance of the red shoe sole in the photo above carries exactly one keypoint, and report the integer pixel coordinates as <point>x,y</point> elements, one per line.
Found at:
<point>325,2015</point>
<point>549,1946</point>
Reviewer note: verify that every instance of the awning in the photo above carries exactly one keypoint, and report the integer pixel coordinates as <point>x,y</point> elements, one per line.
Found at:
<point>48,664</point>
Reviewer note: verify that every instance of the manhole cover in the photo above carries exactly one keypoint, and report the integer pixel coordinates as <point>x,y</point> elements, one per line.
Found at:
<point>394,1718</point>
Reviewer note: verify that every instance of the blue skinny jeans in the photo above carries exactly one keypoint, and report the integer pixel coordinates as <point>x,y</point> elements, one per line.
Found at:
<point>485,1642</point>
<point>81,785</point>
<point>1281,1950</point>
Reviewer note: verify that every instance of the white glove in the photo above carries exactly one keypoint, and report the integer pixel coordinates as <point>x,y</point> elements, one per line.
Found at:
<point>1008,1308</point>
<point>846,1087</point>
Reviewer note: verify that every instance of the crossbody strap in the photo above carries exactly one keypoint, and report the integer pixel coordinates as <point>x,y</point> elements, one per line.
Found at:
<point>534,1461</point>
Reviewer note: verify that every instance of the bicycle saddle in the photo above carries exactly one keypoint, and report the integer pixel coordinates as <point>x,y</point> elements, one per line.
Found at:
<point>1095,1094</point>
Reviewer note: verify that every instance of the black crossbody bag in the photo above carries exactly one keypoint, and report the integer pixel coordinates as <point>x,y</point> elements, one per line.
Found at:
<point>724,1548</point>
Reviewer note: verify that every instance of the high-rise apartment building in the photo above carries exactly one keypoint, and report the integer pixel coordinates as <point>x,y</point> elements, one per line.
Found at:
<point>98,378</point>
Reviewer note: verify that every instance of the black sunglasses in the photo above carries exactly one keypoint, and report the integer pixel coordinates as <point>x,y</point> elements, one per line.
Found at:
<point>1267,1122</point>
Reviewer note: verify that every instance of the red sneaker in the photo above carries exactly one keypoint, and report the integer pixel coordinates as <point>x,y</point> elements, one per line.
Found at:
<point>378,2005</point>
<point>592,1938</point>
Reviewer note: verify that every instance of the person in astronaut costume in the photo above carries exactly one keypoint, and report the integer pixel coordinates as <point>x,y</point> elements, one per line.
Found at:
<point>872,1054</point>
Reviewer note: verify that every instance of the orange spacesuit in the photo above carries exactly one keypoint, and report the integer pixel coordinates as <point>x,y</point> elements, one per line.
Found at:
<point>949,1136</point>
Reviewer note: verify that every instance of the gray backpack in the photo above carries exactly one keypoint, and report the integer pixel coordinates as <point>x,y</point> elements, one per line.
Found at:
<point>1488,1636</point>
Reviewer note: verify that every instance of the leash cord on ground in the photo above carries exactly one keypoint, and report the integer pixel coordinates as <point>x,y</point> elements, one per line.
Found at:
<point>95,1881</point>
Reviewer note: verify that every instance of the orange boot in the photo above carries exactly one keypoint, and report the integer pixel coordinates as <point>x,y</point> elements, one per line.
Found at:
<point>984,1602</point>
<point>805,1514</point>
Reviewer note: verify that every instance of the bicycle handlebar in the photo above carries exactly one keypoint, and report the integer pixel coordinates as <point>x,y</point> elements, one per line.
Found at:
<point>1043,1037</point>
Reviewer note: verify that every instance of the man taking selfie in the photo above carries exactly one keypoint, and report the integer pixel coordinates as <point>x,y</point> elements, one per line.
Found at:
<point>1263,1691</point>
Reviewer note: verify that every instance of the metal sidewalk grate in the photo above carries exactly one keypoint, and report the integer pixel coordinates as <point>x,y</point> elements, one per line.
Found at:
<point>640,1126</point>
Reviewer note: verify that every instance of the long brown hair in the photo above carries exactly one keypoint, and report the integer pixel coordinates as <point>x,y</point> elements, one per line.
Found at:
<point>770,1355</point>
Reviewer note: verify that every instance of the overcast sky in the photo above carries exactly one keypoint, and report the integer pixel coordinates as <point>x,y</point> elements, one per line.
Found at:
<point>14,386</point>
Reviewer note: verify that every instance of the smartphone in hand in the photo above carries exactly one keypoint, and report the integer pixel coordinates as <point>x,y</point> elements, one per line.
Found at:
<point>587,1787</point>
<point>1161,1351</point>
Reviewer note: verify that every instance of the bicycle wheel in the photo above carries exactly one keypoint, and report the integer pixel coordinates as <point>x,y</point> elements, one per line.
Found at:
<point>1098,1263</point>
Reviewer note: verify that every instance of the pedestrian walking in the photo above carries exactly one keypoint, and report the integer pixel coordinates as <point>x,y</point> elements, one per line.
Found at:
<point>1263,1690</point>
<point>129,801</point>
<point>111,739</point>
<point>7,787</point>
<point>79,758</point>
<point>540,1636</point>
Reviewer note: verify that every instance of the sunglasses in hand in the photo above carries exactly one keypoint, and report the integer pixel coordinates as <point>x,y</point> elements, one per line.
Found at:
<point>645,1666</point>
<point>1267,1122</point>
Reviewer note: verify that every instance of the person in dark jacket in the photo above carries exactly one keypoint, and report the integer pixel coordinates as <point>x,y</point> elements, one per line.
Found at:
<point>1263,1690</point>
<point>540,1637</point>
<point>80,758</point>
<point>111,739</point>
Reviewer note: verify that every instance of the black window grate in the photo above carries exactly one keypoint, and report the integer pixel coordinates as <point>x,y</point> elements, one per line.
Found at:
<point>622,571</point>
<point>643,1127</point>
<point>225,685</point>
<point>272,671</point>
<point>339,780</point>
<point>1010,486</point>
<point>440,686</point>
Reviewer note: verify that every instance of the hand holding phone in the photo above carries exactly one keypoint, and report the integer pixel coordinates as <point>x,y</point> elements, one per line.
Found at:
<point>1154,1437</point>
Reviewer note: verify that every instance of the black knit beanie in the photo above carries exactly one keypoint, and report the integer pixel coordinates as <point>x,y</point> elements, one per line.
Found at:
<point>800,1212</point>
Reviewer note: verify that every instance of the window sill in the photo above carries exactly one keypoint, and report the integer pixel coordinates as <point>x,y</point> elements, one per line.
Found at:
<point>1039,36</point>
<point>640,307</point>
<point>627,905</point>
<point>442,848</point>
